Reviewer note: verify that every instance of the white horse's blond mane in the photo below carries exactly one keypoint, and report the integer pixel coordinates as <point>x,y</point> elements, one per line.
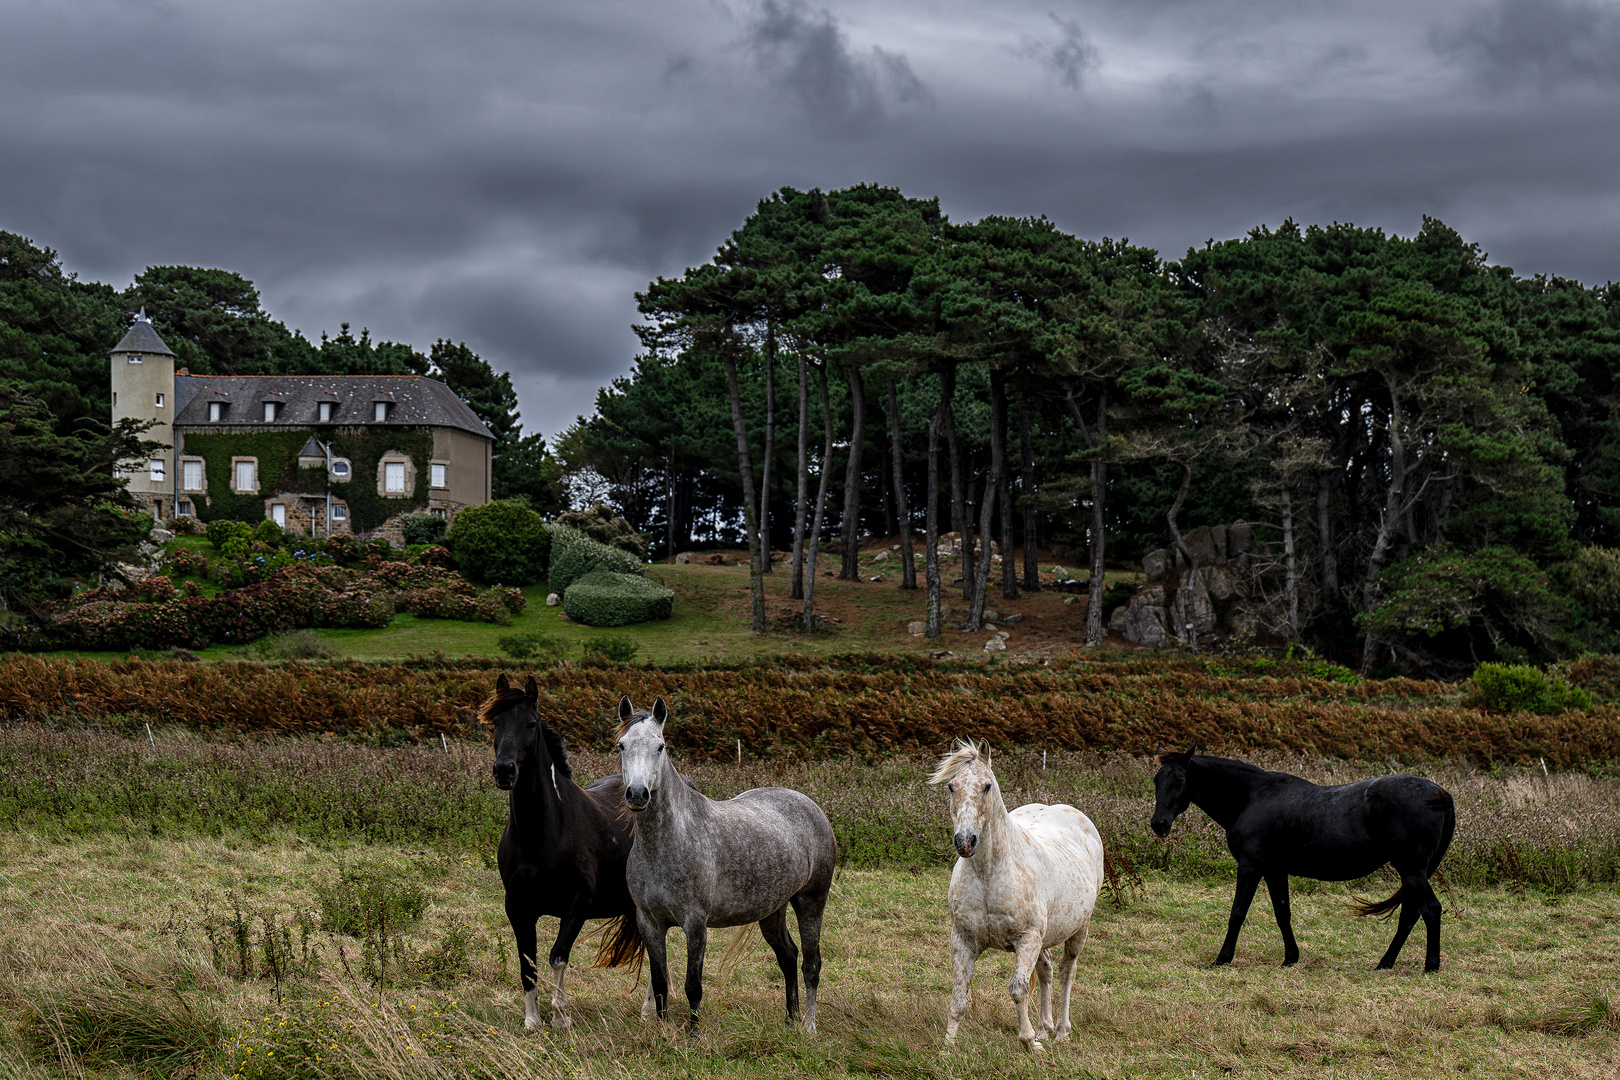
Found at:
<point>966,753</point>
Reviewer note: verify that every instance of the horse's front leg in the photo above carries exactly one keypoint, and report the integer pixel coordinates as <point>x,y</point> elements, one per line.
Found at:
<point>963,957</point>
<point>697,940</point>
<point>1248,880</point>
<point>1071,953</point>
<point>561,949</point>
<point>1043,975</point>
<point>652,938</point>
<point>523,932</point>
<point>1277,886</point>
<point>1026,956</point>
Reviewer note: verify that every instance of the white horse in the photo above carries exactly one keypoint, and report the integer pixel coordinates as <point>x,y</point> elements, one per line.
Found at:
<point>1026,880</point>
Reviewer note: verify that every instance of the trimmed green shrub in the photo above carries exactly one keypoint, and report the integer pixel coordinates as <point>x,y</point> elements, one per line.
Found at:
<point>1522,688</point>
<point>601,524</point>
<point>574,554</point>
<point>500,542</point>
<point>614,648</point>
<point>221,531</point>
<point>601,598</point>
<point>422,529</point>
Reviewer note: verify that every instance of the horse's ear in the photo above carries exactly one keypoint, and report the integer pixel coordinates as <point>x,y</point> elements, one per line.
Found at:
<point>531,691</point>
<point>502,682</point>
<point>660,711</point>
<point>1191,750</point>
<point>1160,749</point>
<point>625,708</point>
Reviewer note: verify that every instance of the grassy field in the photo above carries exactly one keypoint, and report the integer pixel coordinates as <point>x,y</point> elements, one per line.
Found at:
<point>170,910</point>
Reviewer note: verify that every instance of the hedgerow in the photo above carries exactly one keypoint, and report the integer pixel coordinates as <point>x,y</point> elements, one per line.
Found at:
<point>813,707</point>
<point>573,555</point>
<point>604,599</point>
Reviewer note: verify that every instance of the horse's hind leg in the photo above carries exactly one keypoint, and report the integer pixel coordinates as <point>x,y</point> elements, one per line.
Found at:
<point>774,928</point>
<point>808,907</point>
<point>560,950</point>
<point>1026,958</point>
<point>1071,953</point>
<point>1417,898</point>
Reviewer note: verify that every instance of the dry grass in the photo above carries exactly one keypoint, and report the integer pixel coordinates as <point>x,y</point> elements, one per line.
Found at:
<point>106,969</point>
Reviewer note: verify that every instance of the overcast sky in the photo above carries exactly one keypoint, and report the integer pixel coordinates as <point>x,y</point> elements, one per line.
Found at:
<point>509,172</point>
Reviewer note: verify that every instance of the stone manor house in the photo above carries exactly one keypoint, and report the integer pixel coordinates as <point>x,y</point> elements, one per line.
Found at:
<point>373,447</point>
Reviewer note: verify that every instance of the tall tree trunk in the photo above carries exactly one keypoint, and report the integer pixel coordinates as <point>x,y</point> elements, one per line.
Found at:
<point>1290,574</point>
<point>1324,533</point>
<point>959,518</point>
<point>1188,631</point>
<point>669,508</point>
<point>1095,588</point>
<point>947,390</point>
<point>821,505</point>
<point>981,578</point>
<point>902,509</point>
<point>1388,523</point>
<point>998,465</point>
<point>770,453</point>
<point>1026,450</point>
<point>801,508</point>
<point>756,578</point>
<point>851,535</point>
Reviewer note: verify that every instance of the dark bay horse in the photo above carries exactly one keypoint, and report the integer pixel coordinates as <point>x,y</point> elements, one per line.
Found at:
<point>698,863</point>
<point>1277,824</point>
<point>564,849</point>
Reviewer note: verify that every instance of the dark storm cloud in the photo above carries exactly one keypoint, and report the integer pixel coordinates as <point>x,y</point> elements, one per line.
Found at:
<point>1548,42</point>
<point>510,172</point>
<point>803,50</point>
<point>1069,54</point>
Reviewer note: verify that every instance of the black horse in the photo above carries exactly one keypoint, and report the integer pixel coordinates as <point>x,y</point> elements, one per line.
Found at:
<point>564,848</point>
<point>1277,824</point>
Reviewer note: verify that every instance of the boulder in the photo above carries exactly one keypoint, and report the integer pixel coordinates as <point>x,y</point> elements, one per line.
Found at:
<point>1156,564</point>
<point>1224,582</point>
<point>882,556</point>
<point>1013,620</point>
<point>992,616</point>
<point>876,577</point>
<point>1202,612</point>
<point>683,558</point>
<point>1239,539</point>
<point>995,644</point>
<point>1143,619</point>
<point>1202,542</point>
<point>916,628</point>
<point>553,600</point>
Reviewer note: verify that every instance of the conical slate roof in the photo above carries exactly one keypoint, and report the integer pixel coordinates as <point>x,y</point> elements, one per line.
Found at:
<point>142,339</point>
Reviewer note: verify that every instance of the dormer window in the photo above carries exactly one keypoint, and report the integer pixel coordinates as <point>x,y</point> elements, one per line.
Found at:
<point>324,410</point>
<point>270,410</point>
<point>216,411</point>
<point>379,411</point>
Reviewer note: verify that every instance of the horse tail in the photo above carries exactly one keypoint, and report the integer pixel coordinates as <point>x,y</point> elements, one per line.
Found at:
<point>732,956</point>
<point>621,943</point>
<point>1380,907</point>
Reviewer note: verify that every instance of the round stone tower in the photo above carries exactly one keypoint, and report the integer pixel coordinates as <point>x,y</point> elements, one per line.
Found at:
<point>143,389</point>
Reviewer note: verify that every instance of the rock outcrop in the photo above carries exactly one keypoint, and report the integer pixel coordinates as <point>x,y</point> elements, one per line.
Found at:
<point>1229,595</point>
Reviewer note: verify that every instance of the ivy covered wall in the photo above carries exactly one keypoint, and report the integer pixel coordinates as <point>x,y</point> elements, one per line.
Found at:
<point>277,455</point>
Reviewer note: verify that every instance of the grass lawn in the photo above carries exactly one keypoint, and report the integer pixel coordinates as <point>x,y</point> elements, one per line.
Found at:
<point>120,960</point>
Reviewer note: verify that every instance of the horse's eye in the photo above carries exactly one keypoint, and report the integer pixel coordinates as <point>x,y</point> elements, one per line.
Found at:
<point>951,788</point>
<point>660,748</point>
<point>987,789</point>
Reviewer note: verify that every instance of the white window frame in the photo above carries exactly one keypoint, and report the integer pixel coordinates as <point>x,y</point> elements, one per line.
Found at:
<point>253,475</point>
<point>438,474</point>
<point>135,358</point>
<point>323,410</point>
<point>185,474</point>
<point>278,514</point>
<point>340,512</point>
<point>159,401</point>
<point>390,470</point>
<point>343,475</point>
<point>159,467</point>
<point>216,411</point>
<point>182,508</point>
<point>270,410</point>
<point>379,412</point>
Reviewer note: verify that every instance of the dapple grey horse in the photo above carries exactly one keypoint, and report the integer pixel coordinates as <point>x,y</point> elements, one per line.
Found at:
<point>697,864</point>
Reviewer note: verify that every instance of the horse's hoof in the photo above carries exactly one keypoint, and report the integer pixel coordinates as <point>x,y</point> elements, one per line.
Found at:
<point>531,1024</point>
<point>562,1023</point>
<point>1035,1046</point>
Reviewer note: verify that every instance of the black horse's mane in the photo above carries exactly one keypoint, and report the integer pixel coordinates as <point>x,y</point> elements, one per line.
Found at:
<point>503,700</point>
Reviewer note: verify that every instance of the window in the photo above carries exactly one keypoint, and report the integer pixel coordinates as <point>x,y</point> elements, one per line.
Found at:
<point>437,511</point>
<point>134,357</point>
<point>160,401</point>
<point>216,411</point>
<point>278,514</point>
<point>157,468</point>
<point>340,512</point>
<point>325,411</point>
<point>340,469</point>
<point>439,475</point>
<point>183,508</point>
<point>270,409</point>
<point>247,476</point>
<point>115,397</point>
<point>191,475</point>
<point>379,411</point>
<point>394,477</point>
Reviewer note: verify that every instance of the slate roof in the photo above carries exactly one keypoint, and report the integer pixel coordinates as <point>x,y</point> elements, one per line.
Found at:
<point>415,401</point>
<point>142,339</point>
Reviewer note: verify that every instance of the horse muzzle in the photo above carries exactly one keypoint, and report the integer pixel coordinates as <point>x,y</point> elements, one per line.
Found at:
<point>966,844</point>
<point>637,798</point>
<point>505,773</point>
<point>1161,826</point>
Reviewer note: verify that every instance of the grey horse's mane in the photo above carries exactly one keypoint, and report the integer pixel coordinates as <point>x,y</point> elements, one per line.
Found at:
<point>966,753</point>
<point>635,718</point>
